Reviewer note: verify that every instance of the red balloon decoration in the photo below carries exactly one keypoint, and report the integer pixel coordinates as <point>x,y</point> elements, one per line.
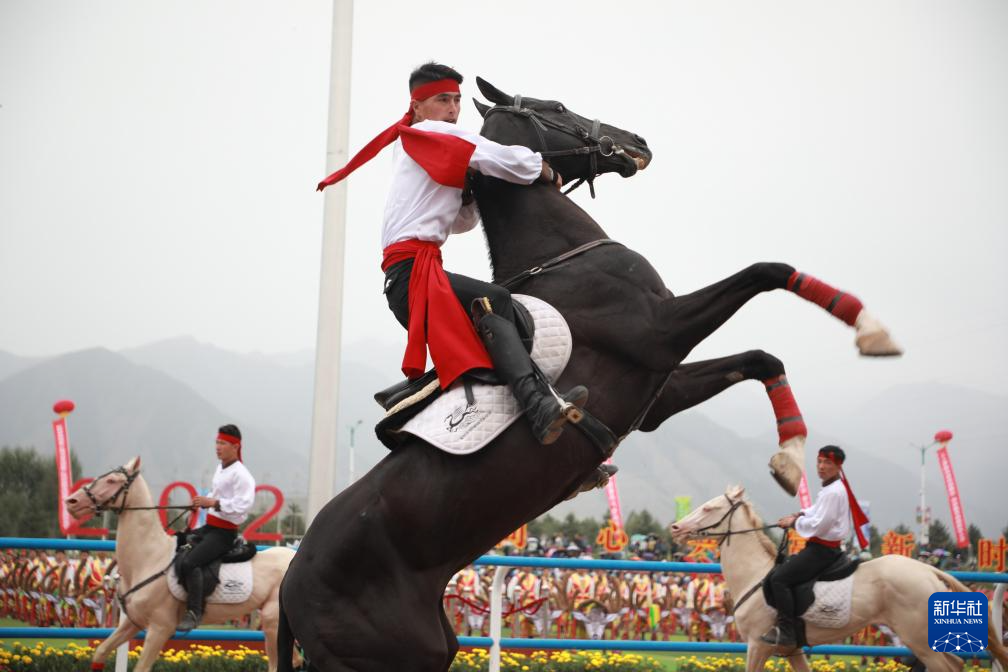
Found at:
<point>943,436</point>
<point>63,406</point>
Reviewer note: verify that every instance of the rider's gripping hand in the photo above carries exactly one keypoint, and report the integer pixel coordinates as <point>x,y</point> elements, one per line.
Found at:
<point>201,502</point>
<point>787,521</point>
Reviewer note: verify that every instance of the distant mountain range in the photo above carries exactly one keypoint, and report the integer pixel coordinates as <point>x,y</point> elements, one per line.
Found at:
<point>165,400</point>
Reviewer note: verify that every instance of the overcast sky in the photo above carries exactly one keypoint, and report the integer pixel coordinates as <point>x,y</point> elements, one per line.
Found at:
<point>158,163</point>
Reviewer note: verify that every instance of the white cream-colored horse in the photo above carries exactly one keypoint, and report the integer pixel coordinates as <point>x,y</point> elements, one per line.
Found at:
<point>143,550</point>
<point>892,590</point>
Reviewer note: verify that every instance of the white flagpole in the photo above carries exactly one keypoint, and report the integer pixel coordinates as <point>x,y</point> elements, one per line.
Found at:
<point>322,459</point>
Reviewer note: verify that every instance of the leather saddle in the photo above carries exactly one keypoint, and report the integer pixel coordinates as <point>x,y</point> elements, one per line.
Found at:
<point>405,389</point>
<point>242,551</point>
<point>804,593</point>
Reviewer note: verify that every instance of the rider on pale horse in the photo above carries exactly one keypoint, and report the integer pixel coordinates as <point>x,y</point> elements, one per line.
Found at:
<point>825,525</point>
<point>426,204</point>
<point>230,500</point>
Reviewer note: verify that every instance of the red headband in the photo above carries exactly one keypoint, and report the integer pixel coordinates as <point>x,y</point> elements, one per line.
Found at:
<point>425,91</point>
<point>831,456</point>
<point>230,439</point>
<point>390,134</point>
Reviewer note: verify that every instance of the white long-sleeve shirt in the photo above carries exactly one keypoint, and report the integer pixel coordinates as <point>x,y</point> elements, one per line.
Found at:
<point>235,488</point>
<point>420,208</point>
<point>829,516</point>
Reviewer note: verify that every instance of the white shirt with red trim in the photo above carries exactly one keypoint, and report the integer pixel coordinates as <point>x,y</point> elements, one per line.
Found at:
<point>235,488</point>
<point>829,516</point>
<point>419,208</point>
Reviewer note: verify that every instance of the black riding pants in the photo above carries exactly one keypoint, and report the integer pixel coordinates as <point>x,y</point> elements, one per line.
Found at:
<point>213,544</point>
<point>466,289</point>
<point>800,568</point>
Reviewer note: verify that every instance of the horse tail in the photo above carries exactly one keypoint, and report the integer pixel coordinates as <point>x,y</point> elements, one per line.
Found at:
<point>285,640</point>
<point>994,643</point>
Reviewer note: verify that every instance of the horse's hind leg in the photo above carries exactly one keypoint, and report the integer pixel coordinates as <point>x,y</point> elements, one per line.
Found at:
<point>697,382</point>
<point>798,661</point>
<point>932,660</point>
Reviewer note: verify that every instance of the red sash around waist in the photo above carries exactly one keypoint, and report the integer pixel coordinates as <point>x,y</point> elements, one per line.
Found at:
<point>824,542</point>
<point>214,521</point>
<point>437,321</point>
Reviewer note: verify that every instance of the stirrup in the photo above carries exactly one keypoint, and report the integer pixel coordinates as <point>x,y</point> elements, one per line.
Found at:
<point>570,411</point>
<point>189,622</point>
<point>775,637</point>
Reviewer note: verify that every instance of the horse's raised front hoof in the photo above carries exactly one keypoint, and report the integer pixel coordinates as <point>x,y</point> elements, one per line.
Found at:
<point>873,339</point>
<point>786,464</point>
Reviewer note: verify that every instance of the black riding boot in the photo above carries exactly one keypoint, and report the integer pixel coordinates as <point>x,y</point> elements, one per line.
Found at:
<point>782,634</point>
<point>194,600</point>
<point>514,366</point>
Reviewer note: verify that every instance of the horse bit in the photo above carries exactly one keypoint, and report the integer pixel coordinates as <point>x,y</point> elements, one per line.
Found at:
<point>594,145</point>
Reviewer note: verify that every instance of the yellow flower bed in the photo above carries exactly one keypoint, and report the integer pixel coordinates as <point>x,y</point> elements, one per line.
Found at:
<point>694,664</point>
<point>40,657</point>
<point>477,660</point>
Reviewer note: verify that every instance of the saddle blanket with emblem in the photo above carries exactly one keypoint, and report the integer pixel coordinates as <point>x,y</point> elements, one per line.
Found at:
<point>235,584</point>
<point>832,606</point>
<point>456,426</point>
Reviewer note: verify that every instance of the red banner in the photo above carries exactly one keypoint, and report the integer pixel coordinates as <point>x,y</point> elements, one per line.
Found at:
<point>612,494</point>
<point>958,518</point>
<point>804,498</point>
<point>66,522</point>
<point>65,486</point>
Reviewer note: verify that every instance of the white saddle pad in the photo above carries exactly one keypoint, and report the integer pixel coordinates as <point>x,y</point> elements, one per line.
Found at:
<point>455,426</point>
<point>832,606</point>
<point>235,584</point>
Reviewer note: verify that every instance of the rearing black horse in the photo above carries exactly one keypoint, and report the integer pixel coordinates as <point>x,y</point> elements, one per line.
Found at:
<point>364,591</point>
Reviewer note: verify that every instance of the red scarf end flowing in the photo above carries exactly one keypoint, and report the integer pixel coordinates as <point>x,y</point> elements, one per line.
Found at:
<point>857,514</point>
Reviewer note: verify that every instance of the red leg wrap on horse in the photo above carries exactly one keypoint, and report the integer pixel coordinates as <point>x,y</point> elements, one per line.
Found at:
<point>97,666</point>
<point>841,305</point>
<point>789,419</point>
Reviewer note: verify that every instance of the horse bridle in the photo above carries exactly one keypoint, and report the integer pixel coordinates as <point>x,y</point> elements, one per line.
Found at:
<point>122,491</point>
<point>726,535</point>
<point>594,144</point>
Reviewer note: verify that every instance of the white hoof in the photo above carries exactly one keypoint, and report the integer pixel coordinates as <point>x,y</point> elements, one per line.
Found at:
<point>787,464</point>
<point>873,339</point>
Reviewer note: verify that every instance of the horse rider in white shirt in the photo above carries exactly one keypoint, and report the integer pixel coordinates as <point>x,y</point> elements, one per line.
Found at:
<point>230,501</point>
<point>825,525</point>
<point>425,205</point>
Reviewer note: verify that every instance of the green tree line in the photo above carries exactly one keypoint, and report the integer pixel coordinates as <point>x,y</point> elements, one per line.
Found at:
<point>29,493</point>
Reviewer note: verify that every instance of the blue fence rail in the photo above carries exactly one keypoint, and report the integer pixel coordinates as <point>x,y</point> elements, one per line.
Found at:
<point>498,643</point>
